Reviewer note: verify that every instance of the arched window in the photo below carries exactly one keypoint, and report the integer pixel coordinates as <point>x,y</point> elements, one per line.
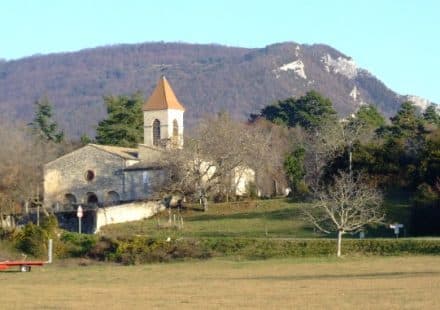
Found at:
<point>92,199</point>
<point>69,199</point>
<point>112,198</point>
<point>175,130</point>
<point>156,132</point>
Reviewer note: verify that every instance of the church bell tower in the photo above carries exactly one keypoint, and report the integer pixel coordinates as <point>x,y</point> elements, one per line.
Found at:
<point>163,118</point>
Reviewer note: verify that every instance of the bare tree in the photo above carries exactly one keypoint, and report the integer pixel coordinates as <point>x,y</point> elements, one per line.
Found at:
<point>186,173</point>
<point>322,145</point>
<point>212,161</point>
<point>276,141</point>
<point>345,206</point>
<point>330,140</point>
<point>22,156</point>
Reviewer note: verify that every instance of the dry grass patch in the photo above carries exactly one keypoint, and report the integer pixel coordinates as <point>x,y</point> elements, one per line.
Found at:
<point>354,283</point>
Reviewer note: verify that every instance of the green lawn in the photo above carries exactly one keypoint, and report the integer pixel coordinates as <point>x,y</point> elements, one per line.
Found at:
<point>276,218</point>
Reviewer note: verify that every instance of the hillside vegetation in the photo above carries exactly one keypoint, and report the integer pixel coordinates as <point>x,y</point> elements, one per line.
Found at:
<point>206,78</point>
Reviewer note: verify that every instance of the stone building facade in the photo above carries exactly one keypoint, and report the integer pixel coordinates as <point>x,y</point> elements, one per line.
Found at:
<point>97,174</point>
<point>101,175</point>
<point>106,175</point>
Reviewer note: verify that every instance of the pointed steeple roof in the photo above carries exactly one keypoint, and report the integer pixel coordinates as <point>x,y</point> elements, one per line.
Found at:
<point>162,98</point>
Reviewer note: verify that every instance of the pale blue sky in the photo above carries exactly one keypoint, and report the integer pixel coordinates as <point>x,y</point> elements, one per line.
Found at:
<point>396,40</point>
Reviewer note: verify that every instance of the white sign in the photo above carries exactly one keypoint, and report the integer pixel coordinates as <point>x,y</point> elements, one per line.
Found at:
<point>396,228</point>
<point>79,212</point>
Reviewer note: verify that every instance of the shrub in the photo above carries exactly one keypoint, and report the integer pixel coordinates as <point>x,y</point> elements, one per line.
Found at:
<point>6,234</point>
<point>76,245</point>
<point>32,240</point>
<point>104,249</point>
<point>267,248</point>
<point>50,225</point>
<point>139,250</point>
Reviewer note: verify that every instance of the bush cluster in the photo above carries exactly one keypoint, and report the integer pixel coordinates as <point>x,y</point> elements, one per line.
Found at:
<point>138,250</point>
<point>266,248</point>
<point>75,245</point>
<point>32,240</point>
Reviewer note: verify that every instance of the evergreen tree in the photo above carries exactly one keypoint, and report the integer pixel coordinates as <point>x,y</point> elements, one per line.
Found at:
<point>309,111</point>
<point>294,167</point>
<point>431,115</point>
<point>85,139</point>
<point>369,116</point>
<point>124,123</point>
<point>406,122</point>
<point>43,124</point>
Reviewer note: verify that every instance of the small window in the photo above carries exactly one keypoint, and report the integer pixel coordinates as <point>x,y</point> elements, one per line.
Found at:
<point>90,175</point>
<point>156,132</point>
<point>175,129</point>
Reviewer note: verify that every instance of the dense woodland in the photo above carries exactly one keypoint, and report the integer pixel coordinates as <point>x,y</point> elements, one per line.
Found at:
<point>401,157</point>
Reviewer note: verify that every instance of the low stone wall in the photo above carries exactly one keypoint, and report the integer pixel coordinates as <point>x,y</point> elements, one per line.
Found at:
<point>134,211</point>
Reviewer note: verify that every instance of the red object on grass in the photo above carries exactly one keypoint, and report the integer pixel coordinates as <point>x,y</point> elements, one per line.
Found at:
<point>23,265</point>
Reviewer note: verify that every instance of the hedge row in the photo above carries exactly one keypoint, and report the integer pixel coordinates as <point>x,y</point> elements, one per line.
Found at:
<point>266,248</point>
<point>138,250</point>
<point>143,250</point>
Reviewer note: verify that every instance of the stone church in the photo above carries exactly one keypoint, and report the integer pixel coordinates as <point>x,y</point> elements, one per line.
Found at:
<point>104,175</point>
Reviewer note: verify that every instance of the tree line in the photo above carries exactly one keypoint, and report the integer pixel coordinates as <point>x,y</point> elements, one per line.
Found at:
<point>297,142</point>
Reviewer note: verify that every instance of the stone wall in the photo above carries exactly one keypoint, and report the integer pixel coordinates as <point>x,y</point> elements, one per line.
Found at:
<point>149,154</point>
<point>140,183</point>
<point>67,175</point>
<point>127,212</point>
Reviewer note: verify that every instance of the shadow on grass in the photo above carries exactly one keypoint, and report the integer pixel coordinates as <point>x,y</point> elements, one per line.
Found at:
<point>12,271</point>
<point>341,276</point>
<point>280,233</point>
<point>281,214</point>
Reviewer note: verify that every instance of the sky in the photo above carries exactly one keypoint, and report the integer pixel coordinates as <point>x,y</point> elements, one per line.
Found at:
<point>396,40</point>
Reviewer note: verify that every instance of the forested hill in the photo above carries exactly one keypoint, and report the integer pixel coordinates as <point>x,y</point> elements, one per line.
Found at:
<point>206,78</point>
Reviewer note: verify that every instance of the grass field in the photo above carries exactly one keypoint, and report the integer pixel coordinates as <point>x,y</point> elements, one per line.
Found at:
<point>350,283</point>
<point>274,218</point>
<point>263,218</point>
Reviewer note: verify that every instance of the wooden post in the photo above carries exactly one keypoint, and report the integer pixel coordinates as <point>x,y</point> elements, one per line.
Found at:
<point>38,215</point>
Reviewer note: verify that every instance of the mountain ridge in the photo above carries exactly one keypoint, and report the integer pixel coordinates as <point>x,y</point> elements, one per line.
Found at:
<point>206,78</point>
